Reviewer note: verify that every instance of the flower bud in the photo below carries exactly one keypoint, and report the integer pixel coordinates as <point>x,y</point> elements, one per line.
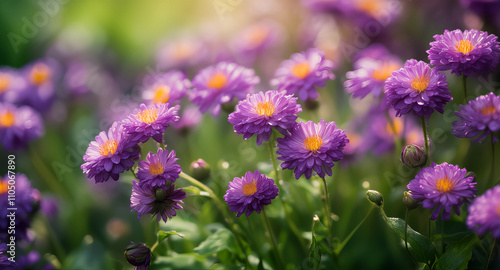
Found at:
<point>200,169</point>
<point>409,201</point>
<point>311,104</point>
<point>413,156</point>
<point>138,254</point>
<point>160,194</point>
<point>375,197</point>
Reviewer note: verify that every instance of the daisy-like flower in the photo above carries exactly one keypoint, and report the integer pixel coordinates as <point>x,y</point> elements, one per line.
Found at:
<point>221,83</point>
<point>182,53</point>
<point>18,126</point>
<point>444,186</point>
<point>478,118</point>
<point>311,146</point>
<point>160,201</point>
<point>110,154</point>
<point>158,169</point>
<point>302,73</point>
<point>416,88</point>
<point>484,213</point>
<point>41,76</point>
<point>471,52</point>
<point>12,85</point>
<point>250,193</point>
<point>150,121</point>
<point>166,87</point>
<point>259,113</point>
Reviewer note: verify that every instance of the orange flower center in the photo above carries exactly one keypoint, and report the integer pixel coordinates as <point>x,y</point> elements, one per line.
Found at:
<point>395,128</point>
<point>385,71</point>
<point>250,188</point>
<point>420,83</point>
<point>156,168</point>
<point>217,81</point>
<point>183,50</point>
<point>39,74</point>
<point>4,82</point>
<point>162,94</point>
<point>265,108</point>
<point>301,70</point>
<point>488,110</point>
<point>4,186</point>
<point>7,119</point>
<point>313,143</point>
<point>464,46</point>
<point>498,210</point>
<point>108,148</point>
<point>147,116</point>
<point>257,35</point>
<point>370,7</point>
<point>444,184</point>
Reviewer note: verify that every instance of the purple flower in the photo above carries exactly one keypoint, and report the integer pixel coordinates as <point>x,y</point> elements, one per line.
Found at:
<point>18,126</point>
<point>150,121</point>
<point>182,53</point>
<point>4,258</point>
<point>471,52</point>
<point>302,73</point>
<point>486,9</point>
<point>158,169</point>
<point>221,83</point>
<point>484,213</point>
<point>190,117</point>
<point>166,87</point>
<point>370,76</point>
<point>311,146</point>
<point>110,154</point>
<point>12,85</point>
<point>259,113</point>
<point>478,118</point>
<point>442,186</point>
<point>416,88</point>
<point>160,201</point>
<point>42,76</point>
<point>324,5</point>
<point>250,193</point>
<point>138,255</point>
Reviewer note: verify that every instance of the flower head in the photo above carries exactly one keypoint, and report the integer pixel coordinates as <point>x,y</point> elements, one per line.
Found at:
<point>250,193</point>
<point>484,213</point>
<point>416,88</point>
<point>41,77</point>
<point>478,118</point>
<point>182,53</point>
<point>444,186</point>
<point>12,85</point>
<point>259,113</point>
<point>138,255</point>
<point>150,121</point>
<point>470,52</point>
<point>166,87</point>
<point>311,146</point>
<point>158,169</point>
<point>110,154</point>
<point>18,126</point>
<point>190,117</point>
<point>302,73</point>
<point>161,201</point>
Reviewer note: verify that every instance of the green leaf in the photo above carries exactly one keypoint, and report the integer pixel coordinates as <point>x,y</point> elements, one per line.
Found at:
<point>220,240</point>
<point>162,235</point>
<point>457,254</point>
<point>420,246</point>
<point>314,254</point>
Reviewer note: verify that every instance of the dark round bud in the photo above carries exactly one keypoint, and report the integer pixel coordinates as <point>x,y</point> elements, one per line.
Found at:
<point>413,156</point>
<point>137,254</point>
<point>311,104</point>
<point>200,169</point>
<point>375,197</point>
<point>409,201</point>
<point>160,194</point>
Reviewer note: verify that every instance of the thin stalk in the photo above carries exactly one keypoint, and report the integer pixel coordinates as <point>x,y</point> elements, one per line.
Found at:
<point>426,138</point>
<point>464,83</point>
<point>132,170</point>
<point>406,237</point>
<point>162,145</point>
<point>327,205</point>
<point>279,260</point>
<point>491,252</point>
<point>273,157</point>
<point>46,174</point>
<point>346,240</point>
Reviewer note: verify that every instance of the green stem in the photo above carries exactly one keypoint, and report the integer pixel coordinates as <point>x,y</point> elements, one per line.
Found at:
<point>279,260</point>
<point>406,236</point>
<point>273,157</point>
<point>132,170</point>
<point>162,145</point>
<point>426,138</point>
<point>154,246</point>
<point>464,83</point>
<point>397,139</point>
<point>346,240</point>
<point>491,252</point>
<point>327,205</point>
<point>46,174</point>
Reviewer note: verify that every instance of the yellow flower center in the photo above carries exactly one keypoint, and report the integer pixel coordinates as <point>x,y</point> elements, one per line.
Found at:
<point>464,46</point>
<point>371,7</point>
<point>395,128</point>
<point>217,81</point>
<point>257,35</point>
<point>4,186</point>
<point>147,116</point>
<point>498,210</point>
<point>265,108</point>
<point>313,143</point>
<point>162,94</point>
<point>4,82</point>
<point>250,188</point>
<point>444,184</point>
<point>183,50</point>
<point>385,71</point>
<point>301,70</point>
<point>156,168</point>
<point>39,74</point>
<point>420,83</point>
<point>488,110</point>
<point>7,119</point>
<point>108,148</point>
